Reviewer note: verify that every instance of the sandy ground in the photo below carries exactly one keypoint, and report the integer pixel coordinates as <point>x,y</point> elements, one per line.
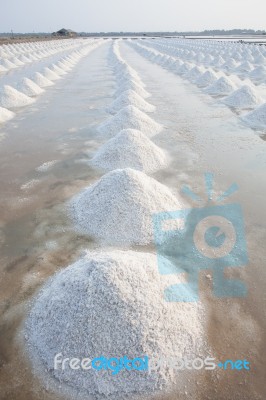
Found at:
<point>37,238</point>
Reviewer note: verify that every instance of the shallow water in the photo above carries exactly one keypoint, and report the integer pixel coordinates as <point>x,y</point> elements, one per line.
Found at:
<point>37,237</point>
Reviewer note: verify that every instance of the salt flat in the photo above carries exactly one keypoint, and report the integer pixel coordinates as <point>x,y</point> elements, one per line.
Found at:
<point>45,161</point>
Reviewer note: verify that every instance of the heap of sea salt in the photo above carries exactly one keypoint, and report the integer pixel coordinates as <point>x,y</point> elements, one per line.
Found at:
<point>5,115</point>
<point>49,74</point>
<point>28,87</point>
<point>130,149</point>
<point>229,64</point>
<point>257,117</point>
<point>245,97</point>
<point>223,86</point>
<point>132,85</point>
<point>64,65</point>
<point>118,208</point>
<point>12,98</point>
<point>129,97</point>
<point>41,81</point>
<point>127,73</point>
<point>130,117</point>
<point>111,304</point>
<point>258,74</point>
<point>17,62</point>
<point>57,70</point>
<point>193,74</point>
<point>2,68</point>
<point>206,79</point>
<point>185,67</point>
<point>8,64</point>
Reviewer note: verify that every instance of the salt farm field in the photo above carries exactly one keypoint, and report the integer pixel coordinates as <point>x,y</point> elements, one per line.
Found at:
<point>170,110</point>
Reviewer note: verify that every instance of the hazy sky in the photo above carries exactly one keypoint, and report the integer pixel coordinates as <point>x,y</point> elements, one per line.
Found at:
<point>135,15</point>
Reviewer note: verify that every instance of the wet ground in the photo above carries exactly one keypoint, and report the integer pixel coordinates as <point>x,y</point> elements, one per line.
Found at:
<point>37,237</point>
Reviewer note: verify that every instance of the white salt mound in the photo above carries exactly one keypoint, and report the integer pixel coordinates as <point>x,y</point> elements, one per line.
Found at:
<point>28,87</point>
<point>2,68</point>
<point>206,79</point>
<point>127,98</point>
<point>64,66</point>
<point>223,86</point>
<point>12,98</point>
<point>130,148</point>
<point>193,74</point>
<point>41,81</point>
<point>256,118</point>
<point>8,64</point>
<point>49,74</point>
<point>111,304</point>
<point>258,74</point>
<point>132,85</point>
<point>5,115</point>
<point>57,70</point>
<point>245,97</point>
<point>130,117</point>
<point>118,208</point>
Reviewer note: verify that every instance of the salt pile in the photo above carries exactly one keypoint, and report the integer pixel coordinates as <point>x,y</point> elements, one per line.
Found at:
<point>256,118</point>
<point>129,97</point>
<point>49,74</point>
<point>245,97</point>
<point>28,87</point>
<point>111,304</point>
<point>206,79</point>
<point>2,68</point>
<point>12,98</point>
<point>16,61</point>
<point>130,148</point>
<point>5,115</point>
<point>244,67</point>
<point>57,70</point>
<point>41,81</point>
<point>8,64</point>
<point>230,64</point>
<point>193,74</point>
<point>223,86</point>
<point>184,69</point>
<point>119,207</point>
<point>258,74</point>
<point>132,85</point>
<point>130,117</point>
<point>64,66</point>
<point>128,78</point>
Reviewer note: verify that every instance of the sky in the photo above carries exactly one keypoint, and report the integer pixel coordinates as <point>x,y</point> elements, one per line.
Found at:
<point>135,15</point>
